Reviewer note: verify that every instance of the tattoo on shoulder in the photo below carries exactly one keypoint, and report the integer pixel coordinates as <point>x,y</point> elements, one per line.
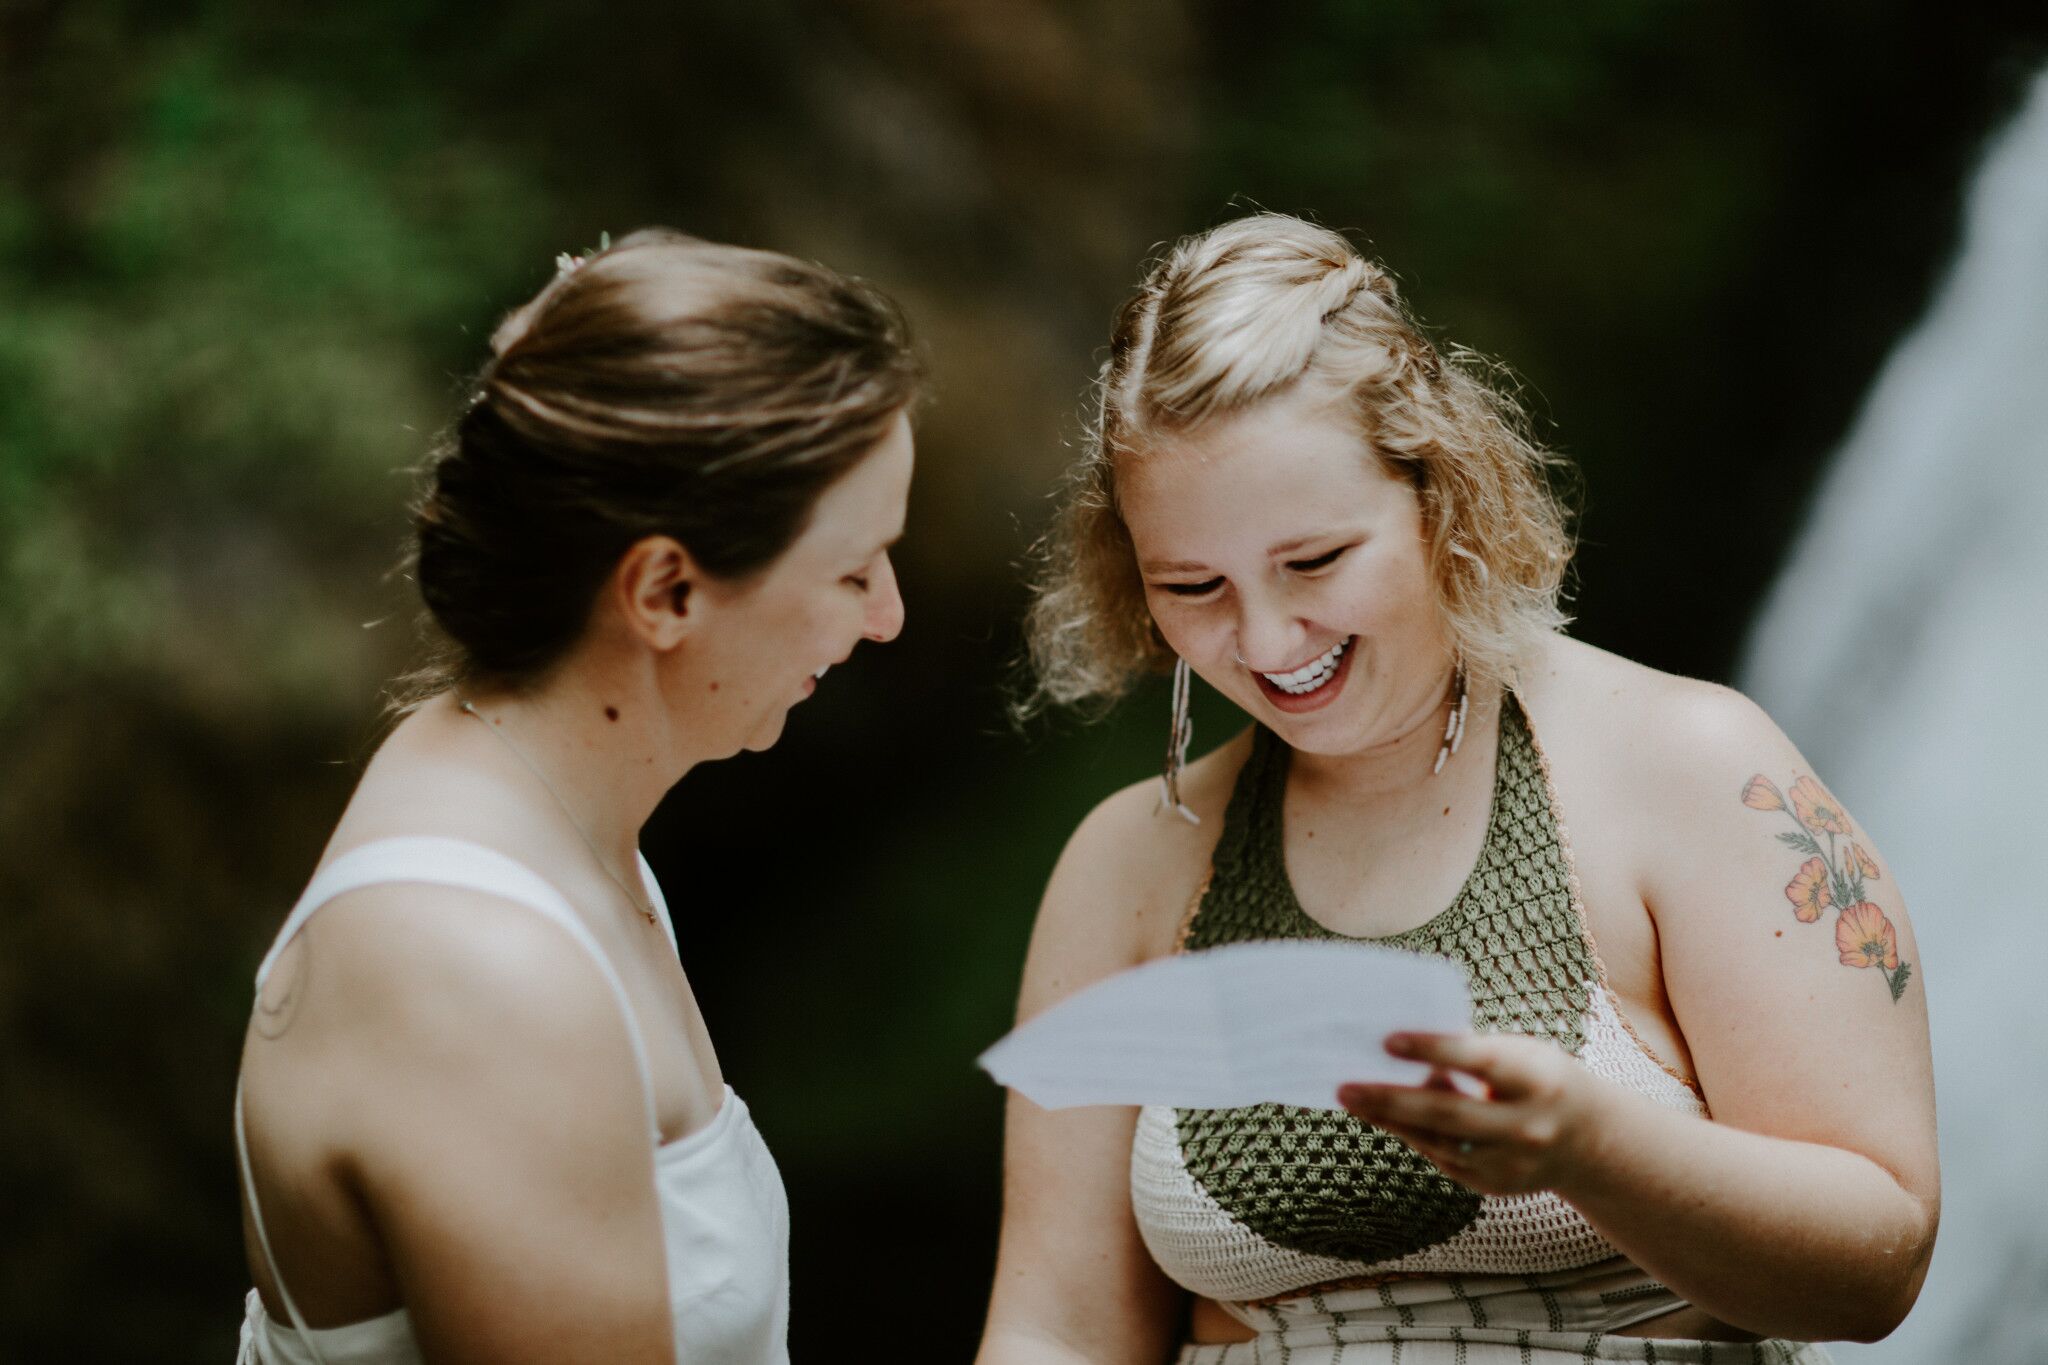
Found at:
<point>277,1004</point>
<point>1832,876</point>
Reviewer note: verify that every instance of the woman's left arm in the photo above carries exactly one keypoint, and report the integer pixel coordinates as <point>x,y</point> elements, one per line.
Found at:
<point>1806,1207</point>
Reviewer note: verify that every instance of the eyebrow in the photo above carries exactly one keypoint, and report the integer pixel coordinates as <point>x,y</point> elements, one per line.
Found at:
<point>1285,547</point>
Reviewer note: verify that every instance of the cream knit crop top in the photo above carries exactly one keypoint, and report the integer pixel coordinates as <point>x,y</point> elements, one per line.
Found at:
<point>1270,1201</point>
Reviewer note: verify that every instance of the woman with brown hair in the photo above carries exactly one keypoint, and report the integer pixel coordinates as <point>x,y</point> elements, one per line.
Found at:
<point>1697,1117</point>
<point>480,1118</point>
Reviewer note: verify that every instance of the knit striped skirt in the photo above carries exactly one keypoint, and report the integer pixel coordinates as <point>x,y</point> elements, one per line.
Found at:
<point>1482,1320</point>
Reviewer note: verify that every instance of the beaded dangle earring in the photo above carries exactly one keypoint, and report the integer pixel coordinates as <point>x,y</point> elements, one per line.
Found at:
<point>1454,728</point>
<point>1177,740</point>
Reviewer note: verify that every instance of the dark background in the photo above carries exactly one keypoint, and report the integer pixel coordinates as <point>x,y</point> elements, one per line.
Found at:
<point>248,251</point>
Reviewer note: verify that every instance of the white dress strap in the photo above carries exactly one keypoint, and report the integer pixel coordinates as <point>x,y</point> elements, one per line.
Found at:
<point>291,1308</point>
<point>442,862</point>
<point>473,867</point>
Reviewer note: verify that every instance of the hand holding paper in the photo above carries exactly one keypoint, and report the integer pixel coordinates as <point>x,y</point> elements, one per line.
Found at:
<point>1245,1024</point>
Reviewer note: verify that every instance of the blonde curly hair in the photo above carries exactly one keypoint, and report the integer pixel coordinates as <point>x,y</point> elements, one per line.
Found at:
<point>1239,314</point>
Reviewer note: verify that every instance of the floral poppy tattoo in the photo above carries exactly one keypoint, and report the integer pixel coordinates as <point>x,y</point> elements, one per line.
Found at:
<point>1809,891</point>
<point>1833,875</point>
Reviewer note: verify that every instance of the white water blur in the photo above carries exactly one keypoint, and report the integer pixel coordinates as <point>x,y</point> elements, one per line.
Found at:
<point>1905,650</point>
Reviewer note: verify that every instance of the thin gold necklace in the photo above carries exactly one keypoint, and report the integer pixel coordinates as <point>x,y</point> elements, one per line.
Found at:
<point>567,814</point>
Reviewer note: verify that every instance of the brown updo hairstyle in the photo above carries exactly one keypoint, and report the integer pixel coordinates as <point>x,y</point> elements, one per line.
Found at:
<point>1237,315</point>
<point>663,386</point>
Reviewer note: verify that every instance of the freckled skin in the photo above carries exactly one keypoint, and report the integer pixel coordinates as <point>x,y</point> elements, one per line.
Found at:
<point>1270,472</point>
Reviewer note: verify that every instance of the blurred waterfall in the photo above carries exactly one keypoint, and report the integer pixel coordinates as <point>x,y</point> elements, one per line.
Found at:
<point>1905,650</point>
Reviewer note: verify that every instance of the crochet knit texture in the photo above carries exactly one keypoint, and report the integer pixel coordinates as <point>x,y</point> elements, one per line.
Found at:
<point>1319,1181</point>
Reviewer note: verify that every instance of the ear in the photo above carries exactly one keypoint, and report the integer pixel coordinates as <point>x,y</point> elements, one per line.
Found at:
<point>657,587</point>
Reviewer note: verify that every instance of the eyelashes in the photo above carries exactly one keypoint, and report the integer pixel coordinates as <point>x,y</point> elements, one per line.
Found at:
<point>1322,561</point>
<point>1209,585</point>
<point>864,578</point>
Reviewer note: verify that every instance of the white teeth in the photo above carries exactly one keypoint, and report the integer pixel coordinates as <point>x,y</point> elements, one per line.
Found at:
<point>821,672</point>
<point>1310,676</point>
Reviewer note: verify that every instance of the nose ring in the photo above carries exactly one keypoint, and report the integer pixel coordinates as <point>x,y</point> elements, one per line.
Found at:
<point>1239,658</point>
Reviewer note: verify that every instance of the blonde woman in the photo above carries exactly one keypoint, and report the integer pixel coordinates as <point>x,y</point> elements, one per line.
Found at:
<point>1702,1127</point>
<point>480,1117</point>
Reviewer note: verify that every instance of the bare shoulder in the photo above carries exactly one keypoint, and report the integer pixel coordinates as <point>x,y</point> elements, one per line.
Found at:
<point>1131,838</point>
<point>1127,876</point>
<point>1641,732</point>
<point>417,991</point>
<point>463,1096</point>
<point>427,956</point>
<point>437,959</point>
<point>1720,819</point>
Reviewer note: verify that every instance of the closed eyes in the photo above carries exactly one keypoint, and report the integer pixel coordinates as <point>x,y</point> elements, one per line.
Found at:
<point>1303,566</point>
<point>1322,561</point>
<point>863,578</point>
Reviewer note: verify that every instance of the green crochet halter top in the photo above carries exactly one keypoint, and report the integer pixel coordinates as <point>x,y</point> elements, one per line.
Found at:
<point>1320,1181</point>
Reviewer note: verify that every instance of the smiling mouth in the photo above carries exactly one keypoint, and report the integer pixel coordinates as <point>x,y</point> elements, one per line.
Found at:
<point>1314,685</point>
<point>1312,676</point>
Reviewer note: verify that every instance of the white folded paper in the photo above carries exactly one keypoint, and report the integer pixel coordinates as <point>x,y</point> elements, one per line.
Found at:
<point>1244,1024</point>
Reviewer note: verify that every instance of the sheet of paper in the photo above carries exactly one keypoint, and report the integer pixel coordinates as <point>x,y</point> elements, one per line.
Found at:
<point>1244,1024</point>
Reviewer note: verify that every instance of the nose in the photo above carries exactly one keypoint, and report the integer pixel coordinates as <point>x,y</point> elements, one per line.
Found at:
<point>1269,638</point>
<point>884,619</point>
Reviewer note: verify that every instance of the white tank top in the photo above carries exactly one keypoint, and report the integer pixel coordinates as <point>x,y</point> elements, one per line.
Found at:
<point>724,1215</point>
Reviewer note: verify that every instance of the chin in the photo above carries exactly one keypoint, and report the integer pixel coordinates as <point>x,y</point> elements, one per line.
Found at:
<point>1348,725</point>
<point>1328,736</point>
<point>764,739</point>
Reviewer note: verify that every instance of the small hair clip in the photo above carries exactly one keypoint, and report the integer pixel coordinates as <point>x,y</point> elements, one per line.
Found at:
<point>568,264</point>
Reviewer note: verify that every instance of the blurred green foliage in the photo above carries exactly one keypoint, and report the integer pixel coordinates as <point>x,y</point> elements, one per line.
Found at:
<point>222,322</point>
<point>248,252</point>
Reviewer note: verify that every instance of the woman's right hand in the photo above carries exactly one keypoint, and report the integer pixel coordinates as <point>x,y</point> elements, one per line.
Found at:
<point>1527,1125</point>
